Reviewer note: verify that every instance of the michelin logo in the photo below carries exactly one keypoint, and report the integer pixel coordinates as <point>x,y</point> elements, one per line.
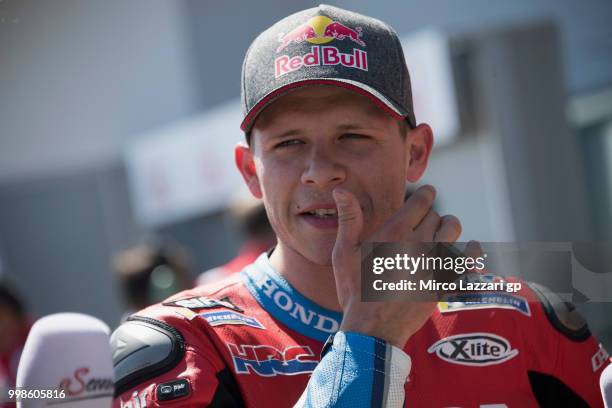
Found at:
<point>495,300</point>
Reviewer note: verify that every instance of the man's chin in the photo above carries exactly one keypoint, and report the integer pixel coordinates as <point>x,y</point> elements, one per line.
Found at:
<point>320,256</point>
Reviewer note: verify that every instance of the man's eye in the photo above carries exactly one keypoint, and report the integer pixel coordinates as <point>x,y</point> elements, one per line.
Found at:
<point>287,143</point>
<point>354,136</point>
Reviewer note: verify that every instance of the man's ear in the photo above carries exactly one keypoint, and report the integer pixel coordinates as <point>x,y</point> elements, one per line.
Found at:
<point>419,142</point>
<point>246,165</point>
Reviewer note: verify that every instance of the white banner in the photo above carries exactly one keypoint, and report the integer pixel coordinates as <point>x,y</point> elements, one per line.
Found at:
<point>186,169</point>
<point>433,91</point>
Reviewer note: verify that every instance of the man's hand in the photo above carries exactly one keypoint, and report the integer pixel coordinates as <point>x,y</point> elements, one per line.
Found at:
<point>414,222</point>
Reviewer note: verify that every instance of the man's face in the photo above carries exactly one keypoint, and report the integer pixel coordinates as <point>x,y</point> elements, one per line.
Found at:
<point>316,139</point>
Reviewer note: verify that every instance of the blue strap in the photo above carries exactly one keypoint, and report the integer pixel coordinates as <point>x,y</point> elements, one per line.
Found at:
<point>287,305</point>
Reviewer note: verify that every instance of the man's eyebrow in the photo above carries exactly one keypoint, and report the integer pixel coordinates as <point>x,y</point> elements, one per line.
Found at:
<point>350,126</point>
<point>356,126</point>
<point>341,127</point>
<point>286,133</point>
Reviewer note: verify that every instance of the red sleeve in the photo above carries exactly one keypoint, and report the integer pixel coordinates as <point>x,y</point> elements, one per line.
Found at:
<point>162,359</point>
<point>565,360</point>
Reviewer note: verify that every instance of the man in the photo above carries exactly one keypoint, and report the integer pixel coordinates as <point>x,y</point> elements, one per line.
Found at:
<point>150,272</point>
<point>247,215</point>
<point>332,140</point>
<point>14,328</point>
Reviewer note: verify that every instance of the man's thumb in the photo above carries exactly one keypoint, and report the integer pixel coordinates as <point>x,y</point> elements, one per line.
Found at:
<point>350,218</point>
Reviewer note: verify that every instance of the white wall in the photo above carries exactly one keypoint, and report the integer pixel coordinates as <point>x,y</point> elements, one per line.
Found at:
<point>78,78</point>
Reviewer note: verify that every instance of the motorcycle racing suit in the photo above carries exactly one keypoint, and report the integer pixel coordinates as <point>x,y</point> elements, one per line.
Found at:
<point>253,340</point>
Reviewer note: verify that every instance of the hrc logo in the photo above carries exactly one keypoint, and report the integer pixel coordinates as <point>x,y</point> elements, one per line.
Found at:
<point>268,361</point>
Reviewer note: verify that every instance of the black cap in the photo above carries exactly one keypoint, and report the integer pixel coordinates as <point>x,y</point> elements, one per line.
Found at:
<point>327,45</point>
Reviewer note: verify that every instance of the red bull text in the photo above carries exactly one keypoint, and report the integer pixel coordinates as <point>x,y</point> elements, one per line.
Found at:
<point>325,55</point>
<point>318,31</point>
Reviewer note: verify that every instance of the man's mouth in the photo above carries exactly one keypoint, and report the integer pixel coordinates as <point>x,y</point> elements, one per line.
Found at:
<point>323,213</point>
<point>322,216</point>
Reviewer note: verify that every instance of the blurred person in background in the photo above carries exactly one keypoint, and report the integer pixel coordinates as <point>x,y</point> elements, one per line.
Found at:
<point>14,328</point>
<point>248,215</point>
<point>150,272</point>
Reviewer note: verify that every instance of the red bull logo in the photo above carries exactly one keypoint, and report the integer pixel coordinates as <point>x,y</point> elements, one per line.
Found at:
<point>297,35</point>
<point>320,30</point>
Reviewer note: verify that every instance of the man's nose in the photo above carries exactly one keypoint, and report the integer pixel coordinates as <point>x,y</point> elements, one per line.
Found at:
<point>323,170</point>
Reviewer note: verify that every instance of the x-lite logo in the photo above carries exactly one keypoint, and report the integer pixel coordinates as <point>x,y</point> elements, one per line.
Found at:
<point>463,350</point>
<point>473,349</point>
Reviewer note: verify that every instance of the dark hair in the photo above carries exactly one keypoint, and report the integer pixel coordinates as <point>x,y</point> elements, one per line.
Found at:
<point>134,267</point>
<point>403,127</point>
<point>255,223</point>
<point>8,298</point>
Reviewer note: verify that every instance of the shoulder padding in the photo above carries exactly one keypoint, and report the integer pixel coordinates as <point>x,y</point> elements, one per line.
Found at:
<point>562,315</point>
<point>144,348</point>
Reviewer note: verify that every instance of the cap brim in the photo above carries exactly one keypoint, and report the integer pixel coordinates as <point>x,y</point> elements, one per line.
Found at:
<point>379,99</point>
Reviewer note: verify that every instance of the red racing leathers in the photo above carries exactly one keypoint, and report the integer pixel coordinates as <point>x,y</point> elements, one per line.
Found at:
<point>252,340</point>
